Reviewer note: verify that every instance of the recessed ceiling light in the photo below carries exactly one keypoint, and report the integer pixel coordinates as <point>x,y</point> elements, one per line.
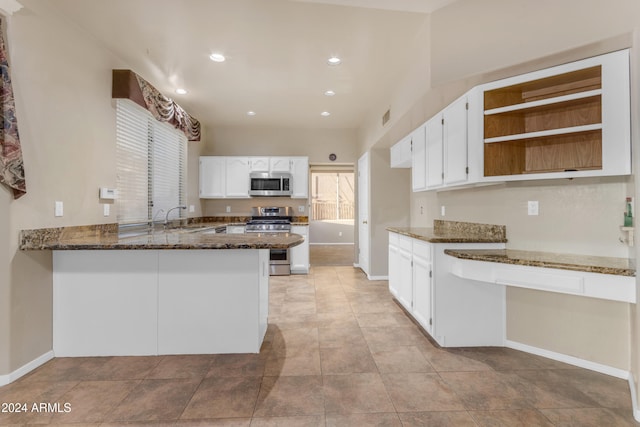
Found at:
<point>217,57</point>
<point>251,113</point>
<point>325,114</point>
<point>334,60</point>
<point>329,93</point>
<point>181,91</point>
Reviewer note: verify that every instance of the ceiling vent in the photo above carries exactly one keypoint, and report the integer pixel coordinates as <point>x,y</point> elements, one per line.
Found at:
<point>385,117</point>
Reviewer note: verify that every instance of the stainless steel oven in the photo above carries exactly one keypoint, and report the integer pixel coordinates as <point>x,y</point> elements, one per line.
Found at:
<point>273,220</point>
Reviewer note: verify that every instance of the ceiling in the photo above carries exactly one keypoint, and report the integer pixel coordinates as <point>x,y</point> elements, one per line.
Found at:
<point>276,53</point>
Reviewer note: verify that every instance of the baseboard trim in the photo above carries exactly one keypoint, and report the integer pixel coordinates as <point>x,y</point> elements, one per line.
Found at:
<point>634,398</point>
<point>25,369</point>
<point>581,363</point>
<point>377,277</point>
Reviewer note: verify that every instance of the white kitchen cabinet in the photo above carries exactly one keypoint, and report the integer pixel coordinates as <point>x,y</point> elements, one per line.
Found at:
<point>259,164</point>
<point>237,177</point>
<point>434,171</point>
<point>400,153</point>
<point>394,264</point>
<point>455,142</point>
<point>212,177</point>
<point>405,270</point>
<point>422,283</point>
<point>280,164</point>
<point>456,312</point>
<point>447,136</point>
<point>299,255</point>
<point>568,121</point>
<point>419,159</point>
<point>228,177</point>
<point>300,177</point>
<point>151,302</point>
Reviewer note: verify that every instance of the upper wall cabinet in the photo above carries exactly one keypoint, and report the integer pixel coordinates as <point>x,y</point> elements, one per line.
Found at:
<point>419,159</point>
<point>568,121</point>
<point>228,177</point>
<point>401,153</point>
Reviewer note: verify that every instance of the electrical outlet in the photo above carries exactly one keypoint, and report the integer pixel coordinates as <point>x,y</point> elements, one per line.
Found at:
<point>532,207</point>
<point>228,209</point>
<point>301,208</point>
<point>442,210</point>
<point>192,209</point>
<point>106,209</point>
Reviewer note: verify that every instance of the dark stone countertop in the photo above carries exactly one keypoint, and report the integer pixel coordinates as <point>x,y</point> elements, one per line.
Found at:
<point>455,232</point>
<point>586,263</point>
<point>193,236</point>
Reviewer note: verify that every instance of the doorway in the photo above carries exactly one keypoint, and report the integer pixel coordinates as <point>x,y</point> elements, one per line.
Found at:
<point>331,216</point>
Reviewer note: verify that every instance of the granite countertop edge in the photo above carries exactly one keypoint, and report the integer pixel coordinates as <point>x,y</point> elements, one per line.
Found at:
<point>105,237</point>
<point>583,263</point>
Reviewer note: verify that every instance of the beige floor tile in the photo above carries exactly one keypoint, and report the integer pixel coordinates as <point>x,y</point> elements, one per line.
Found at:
<point>301,421</point>
<point>290,396</point>
<point>305,364</point>
<point>402,359</point>
<point>340,337</point>
<point>126,368</point>
<point>388,338</point>
<point>183,366</point>
<point>369,420</point>
<point>419,392</point>
<point>514,417</point>
<point>347,360</point>
<point>238,365</point>
<point>67,369</point>
<point>588,417</point>
<point>155,400</point>
<point>356,393</point>
<point>93,401</point>
<point>223,397</point>
<point>439,419</point>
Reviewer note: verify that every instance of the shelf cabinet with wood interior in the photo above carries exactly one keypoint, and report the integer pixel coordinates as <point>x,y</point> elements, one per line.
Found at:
<point>567,121</point>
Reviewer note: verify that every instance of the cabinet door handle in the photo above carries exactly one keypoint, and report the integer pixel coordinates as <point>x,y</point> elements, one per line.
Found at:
<point>365,222</point>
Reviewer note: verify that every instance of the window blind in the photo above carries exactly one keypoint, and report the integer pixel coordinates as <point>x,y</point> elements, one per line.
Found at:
<point>150,170</point>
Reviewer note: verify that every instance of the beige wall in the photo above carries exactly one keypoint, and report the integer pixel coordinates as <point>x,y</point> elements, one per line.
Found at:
<point>474,42</point>
<point>62,85</point>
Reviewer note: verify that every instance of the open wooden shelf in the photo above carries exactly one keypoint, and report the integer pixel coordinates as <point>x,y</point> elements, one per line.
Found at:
<point>552,124</point>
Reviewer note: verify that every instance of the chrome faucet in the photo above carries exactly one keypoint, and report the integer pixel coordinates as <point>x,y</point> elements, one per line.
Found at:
<point>166,218</point>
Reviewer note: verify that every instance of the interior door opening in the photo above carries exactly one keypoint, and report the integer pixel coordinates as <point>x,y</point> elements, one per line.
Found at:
<point>331,216</point>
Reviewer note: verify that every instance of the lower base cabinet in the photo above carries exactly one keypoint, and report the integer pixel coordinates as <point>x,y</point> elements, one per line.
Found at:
<point>299,255</point>
<point>455,312</point>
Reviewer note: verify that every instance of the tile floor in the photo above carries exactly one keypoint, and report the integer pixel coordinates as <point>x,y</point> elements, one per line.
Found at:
<point>323,255</point>
<point>338,352</point>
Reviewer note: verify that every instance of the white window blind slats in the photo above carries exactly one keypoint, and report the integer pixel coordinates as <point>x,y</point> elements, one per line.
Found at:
<point>132,156</point>
<point>168,166</point>
<point>151,165</point>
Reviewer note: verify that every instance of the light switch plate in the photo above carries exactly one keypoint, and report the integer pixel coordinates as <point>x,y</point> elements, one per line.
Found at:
<point>59,208</point>
<point>228,209</point>
<point>192,208</point>
<point>106,209</point>
<point>301,208</point>
<point>532,207</point>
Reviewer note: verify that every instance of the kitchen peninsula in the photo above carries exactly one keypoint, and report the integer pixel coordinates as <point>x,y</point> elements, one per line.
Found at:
<point>175,291</point>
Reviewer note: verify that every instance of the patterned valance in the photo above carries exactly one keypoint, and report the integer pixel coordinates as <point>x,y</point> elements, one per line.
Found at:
<point>129,85</point>
<point>11,163</point>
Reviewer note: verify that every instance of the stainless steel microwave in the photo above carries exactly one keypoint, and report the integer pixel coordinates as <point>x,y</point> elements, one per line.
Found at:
<point>270,184</point>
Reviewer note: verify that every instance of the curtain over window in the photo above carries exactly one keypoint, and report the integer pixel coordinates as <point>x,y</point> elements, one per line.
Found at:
<point>11,162</point>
